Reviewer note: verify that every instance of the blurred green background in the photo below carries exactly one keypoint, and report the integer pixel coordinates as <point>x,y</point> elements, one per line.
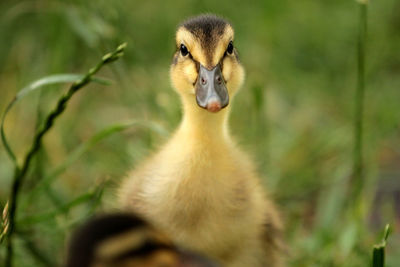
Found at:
<point>294,114</point>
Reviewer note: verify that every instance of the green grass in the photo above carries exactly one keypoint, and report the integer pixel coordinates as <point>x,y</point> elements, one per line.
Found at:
<point>21,170</point>
<point>295,115</point>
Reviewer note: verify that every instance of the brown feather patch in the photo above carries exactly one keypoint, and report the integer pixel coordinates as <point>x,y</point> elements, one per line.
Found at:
<point>208,30</point>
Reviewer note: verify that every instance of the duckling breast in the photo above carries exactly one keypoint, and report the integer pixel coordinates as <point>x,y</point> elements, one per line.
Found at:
<point>207,198</point>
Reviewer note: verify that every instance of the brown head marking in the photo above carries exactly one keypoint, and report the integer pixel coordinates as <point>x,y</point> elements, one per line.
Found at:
<point>207,29</point>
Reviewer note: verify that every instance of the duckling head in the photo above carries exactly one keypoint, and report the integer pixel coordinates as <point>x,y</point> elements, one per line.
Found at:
<point>206,67</point>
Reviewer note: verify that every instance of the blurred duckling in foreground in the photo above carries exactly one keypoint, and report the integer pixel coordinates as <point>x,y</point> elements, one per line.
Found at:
<point>125,240</point>
<point>200,188</point>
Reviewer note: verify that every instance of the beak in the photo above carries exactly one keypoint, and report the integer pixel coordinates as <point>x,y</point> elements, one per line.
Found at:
<point>211,92</point>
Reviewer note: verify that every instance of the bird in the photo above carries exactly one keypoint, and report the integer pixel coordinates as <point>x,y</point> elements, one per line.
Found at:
<point>117,239</point>
<point>200,188</point>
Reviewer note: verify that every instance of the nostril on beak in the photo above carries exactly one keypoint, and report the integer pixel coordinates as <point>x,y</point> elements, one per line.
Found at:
<point>218,79</point>
<point>203,81</point>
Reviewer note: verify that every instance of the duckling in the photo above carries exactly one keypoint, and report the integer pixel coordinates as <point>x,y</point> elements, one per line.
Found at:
<point>126,240</point>
<point>200,188</point>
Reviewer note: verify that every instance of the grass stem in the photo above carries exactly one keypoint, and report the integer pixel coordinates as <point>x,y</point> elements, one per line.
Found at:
<point>20,172</point>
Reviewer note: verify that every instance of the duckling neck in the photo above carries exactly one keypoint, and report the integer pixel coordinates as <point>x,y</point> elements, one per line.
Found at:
<point>203,125</point>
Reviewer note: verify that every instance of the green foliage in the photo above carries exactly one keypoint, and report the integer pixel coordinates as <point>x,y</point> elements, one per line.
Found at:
<point>53,79</point>
<point>9,213</point>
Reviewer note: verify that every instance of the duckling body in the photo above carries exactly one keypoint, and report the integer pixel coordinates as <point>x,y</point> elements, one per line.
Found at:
<point>200,188</point>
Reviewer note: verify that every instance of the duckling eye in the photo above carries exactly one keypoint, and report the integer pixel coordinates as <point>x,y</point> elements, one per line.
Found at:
<point>184,50</point>
<point>229,50</point>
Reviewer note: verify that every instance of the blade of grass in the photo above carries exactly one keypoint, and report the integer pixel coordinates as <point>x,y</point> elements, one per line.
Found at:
<point>20,173</point>
<point>84,147</point>
<point>34,86</point>
<point>64,208</point>
<point>37,254</point>
<point>101,135</point>
<point>378,253</point>
<point>92,199</point>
